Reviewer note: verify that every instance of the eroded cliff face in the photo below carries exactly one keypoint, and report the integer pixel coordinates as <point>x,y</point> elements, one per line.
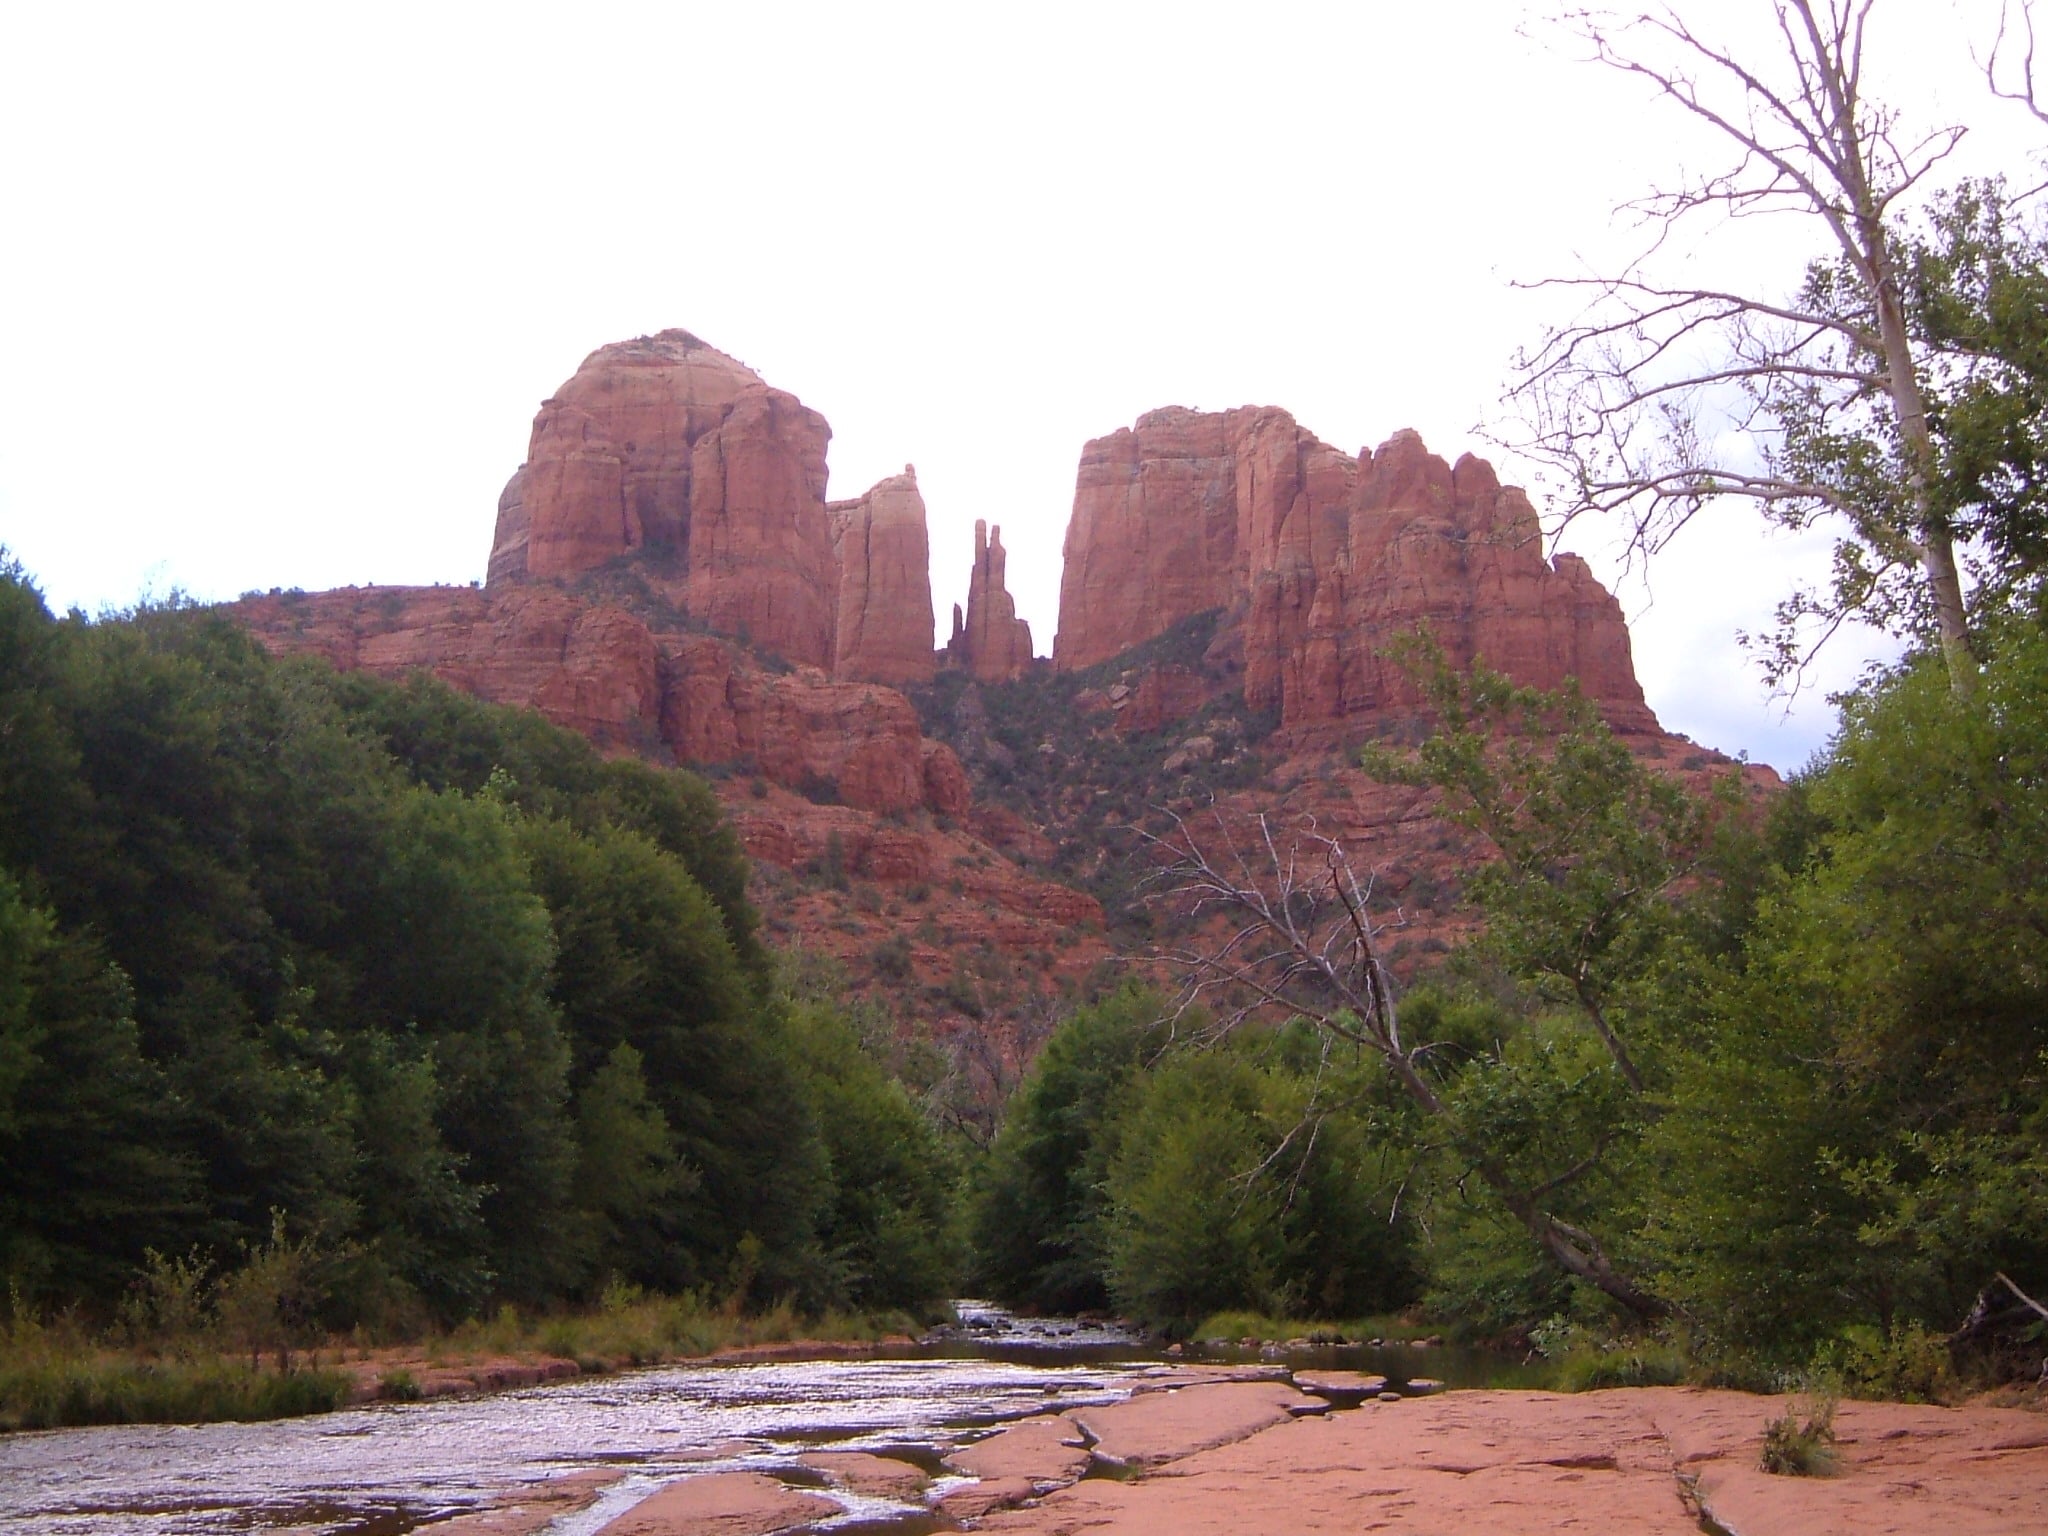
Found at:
<point>1319,560</point>
<point>666,449</point>
<point>990,642</point>
<point>603,671</point>
<point>882,548</point>
<point>667,578</point>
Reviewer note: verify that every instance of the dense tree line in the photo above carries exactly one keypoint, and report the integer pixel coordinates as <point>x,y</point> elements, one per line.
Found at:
<point>1779,1060</point>
<point>477,1015</point>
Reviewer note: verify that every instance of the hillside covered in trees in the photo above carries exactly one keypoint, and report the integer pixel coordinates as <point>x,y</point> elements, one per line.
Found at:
<point>421,987</point>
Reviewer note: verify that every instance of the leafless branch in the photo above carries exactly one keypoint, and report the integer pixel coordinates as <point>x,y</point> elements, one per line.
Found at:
<point>1632,404</point>
<point>1300,942</point>
<point>2023,90</point>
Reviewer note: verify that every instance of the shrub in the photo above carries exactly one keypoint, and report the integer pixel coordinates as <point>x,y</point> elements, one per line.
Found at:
<point>1793,1449</point>
<point>1906,1365</point>
<point>398,1385</point>
<point>891,957</point>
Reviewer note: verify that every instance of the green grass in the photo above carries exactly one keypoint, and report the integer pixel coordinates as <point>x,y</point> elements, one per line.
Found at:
<point>630,1328</point>
<point>100,1388</point>
<point>1590,1367</point>
<point>1235,1327</point>
<point>58,1374</point>
<point>1793,1449</point>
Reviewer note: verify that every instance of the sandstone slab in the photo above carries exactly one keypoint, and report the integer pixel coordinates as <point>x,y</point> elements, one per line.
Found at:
<point>530,1510</point>
<point>1155,1427</point>
<point>867,1473</point>
<point>722,1504</point>
<point>1642,1461</point>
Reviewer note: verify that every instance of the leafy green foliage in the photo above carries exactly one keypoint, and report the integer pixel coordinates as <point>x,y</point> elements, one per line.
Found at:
<point>1862,1145</point>
<point>888,1231</point>
<point>1179,1183</point>
<point>398,1004</point>
<point>1039,1209</point>
<point>1232,1187</point>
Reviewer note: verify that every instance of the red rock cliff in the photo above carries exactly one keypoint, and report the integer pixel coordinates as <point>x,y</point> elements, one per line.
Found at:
<point>601,670</point>
<point>668,447</point>
<point>991,642</point>
<point>1319,560</point>
<point>885,594</point>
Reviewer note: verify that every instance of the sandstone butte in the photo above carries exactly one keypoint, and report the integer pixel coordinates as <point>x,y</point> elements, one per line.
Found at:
<point>666,449</point>
<point>1193,1455</point>
<point>667,577</point>
<point>1317,559</point>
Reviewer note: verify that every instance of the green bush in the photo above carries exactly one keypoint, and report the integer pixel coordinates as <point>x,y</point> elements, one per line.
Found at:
<point>94,1390</point>
<point>1793,1448</point>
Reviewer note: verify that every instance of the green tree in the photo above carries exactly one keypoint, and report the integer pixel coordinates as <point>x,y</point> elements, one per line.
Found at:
<point>888,1229</point>
<point>1038,1208</point>
<point>1820,401</point>
<point>643,958</point>
<point>630,1185</point>
<point>1863,1137</point>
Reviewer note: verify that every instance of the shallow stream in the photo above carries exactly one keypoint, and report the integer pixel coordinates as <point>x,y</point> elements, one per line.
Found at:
<point>390,1469</point>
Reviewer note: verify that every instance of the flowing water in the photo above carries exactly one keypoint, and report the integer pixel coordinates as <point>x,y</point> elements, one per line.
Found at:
<point>389,1469</point>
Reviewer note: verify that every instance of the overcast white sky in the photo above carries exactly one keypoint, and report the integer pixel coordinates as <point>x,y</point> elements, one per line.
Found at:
<point>281,286</point>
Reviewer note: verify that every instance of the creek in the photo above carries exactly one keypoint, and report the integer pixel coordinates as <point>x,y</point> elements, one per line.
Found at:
<point>391,1469</point>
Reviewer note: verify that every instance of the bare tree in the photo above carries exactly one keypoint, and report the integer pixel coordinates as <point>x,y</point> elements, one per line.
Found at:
<point>2013,79</point>
<point>1300,943</point>
<point>1633,401</point>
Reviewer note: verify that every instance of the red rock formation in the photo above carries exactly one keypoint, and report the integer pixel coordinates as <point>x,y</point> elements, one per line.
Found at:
<point>591,667</point>
<point>608,467</point>
<point>665,445</point>
<point>1154,535</point>
<point>1320,560</point>
<point>761,564</point>
<point>991,642</point>
<point>884,631</point>
<point>599,670</point>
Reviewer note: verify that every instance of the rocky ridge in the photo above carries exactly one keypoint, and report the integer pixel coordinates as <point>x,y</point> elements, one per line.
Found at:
<point>1317,560</point>
<point>667,578</point>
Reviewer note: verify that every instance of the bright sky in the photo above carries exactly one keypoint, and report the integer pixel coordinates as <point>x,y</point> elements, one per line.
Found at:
<point>281,286</point>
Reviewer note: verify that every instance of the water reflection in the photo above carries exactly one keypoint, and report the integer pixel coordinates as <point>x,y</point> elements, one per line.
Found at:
<point>389,1469</point>
<point>386,1470</point>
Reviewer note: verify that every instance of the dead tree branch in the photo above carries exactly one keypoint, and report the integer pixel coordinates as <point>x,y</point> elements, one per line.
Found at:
<point>1299,942</point>
<point>1660,400</point>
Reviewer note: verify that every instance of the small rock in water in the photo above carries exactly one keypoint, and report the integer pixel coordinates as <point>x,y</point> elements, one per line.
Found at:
<point>1422,1386</point>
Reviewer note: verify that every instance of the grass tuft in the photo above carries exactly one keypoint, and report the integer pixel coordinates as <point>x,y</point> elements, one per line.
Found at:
<point>1793,1449</point>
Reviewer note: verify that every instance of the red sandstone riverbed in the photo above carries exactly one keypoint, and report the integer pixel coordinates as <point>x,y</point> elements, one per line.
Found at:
<point>1250,1458</point>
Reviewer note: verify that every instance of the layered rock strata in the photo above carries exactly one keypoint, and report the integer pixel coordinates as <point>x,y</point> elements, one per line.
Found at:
<point>990,641</point>
<point>666,449</point>
<point>883,552</point>
<point>1319,560</point>
<point>602,671</point>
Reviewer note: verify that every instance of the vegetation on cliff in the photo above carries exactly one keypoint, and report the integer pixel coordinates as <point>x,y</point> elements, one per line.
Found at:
<point>1782,1068</point>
